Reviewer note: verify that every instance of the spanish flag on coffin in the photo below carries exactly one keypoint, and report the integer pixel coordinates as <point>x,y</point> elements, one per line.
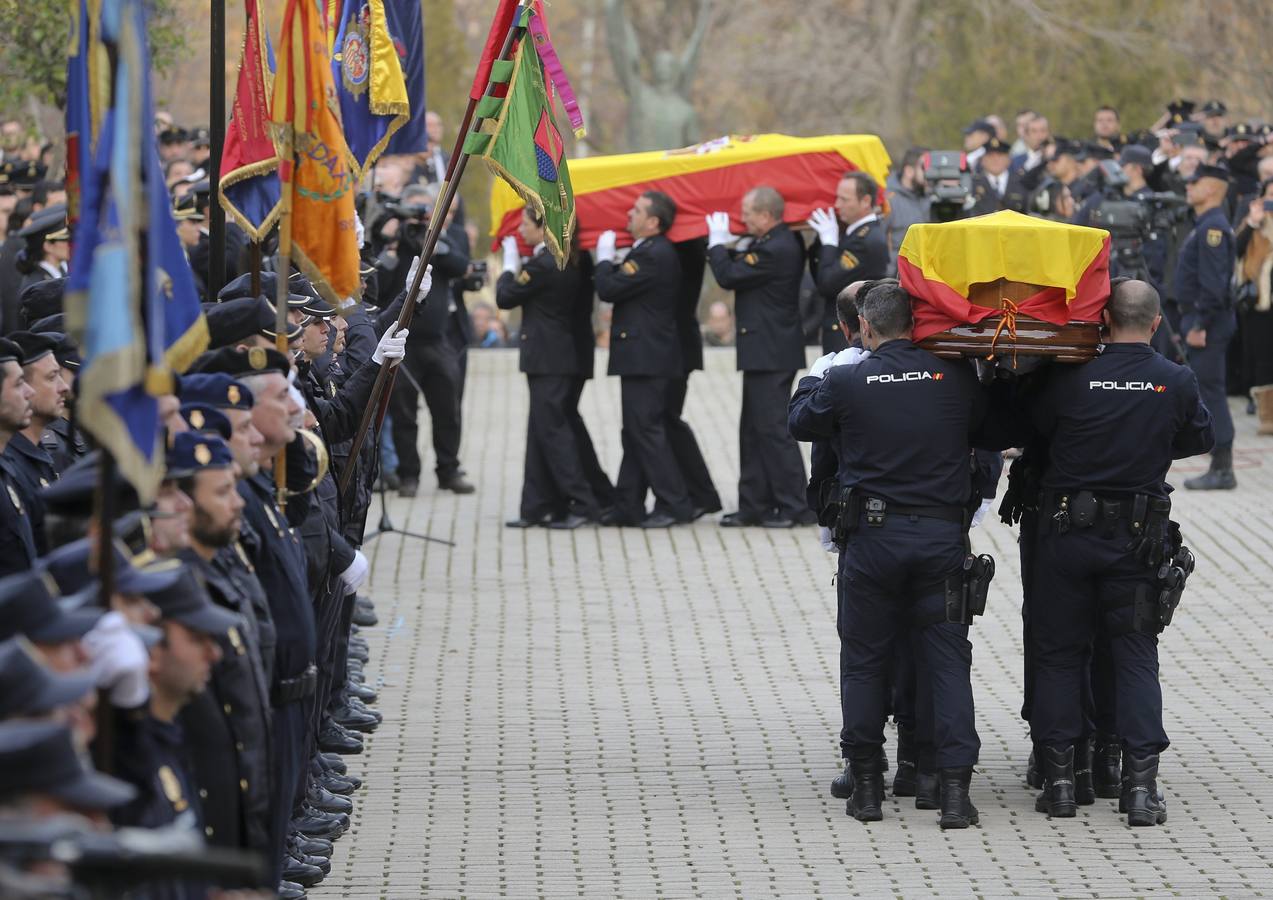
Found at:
<point>939,263</point>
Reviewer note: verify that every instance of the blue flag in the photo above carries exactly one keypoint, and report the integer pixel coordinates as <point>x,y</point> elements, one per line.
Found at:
<point>406,29</point>
<point>131,298</point>
<point>367,73</point>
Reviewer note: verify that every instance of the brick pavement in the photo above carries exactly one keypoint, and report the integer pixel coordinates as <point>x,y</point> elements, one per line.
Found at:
<point>615,713</point>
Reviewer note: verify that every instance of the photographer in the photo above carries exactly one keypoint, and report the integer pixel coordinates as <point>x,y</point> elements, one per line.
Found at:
<point>1254,247</point>
<point>1143,253</point>
<point>907,201</point>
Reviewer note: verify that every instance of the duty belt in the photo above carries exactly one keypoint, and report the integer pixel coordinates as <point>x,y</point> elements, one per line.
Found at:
<point>289,690</point>
<point>875,506</point>
<point>1084,509</point>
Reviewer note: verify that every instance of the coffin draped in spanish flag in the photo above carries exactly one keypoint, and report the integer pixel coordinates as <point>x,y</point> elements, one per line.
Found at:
<point>1006,282</point>
<point>706,178</point>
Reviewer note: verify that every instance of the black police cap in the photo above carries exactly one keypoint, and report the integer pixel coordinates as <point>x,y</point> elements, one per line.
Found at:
<point>40,757</point>
<point>72,567</point>
<point>216,390</point>
<point>236,362</point>
<point>1135,154</point>
<point>66,351</point>
<point>46,221</point>
<point>200,137</point>
<point>186,601</point>
<point>28,688</point>
<point>980,125</point>
<point>29,607</point>
<point>194,451</point>
<point>1242,131</point>
<point>994,145</point>
<point>231,321</point>
<point>242,287</point>
<point>1206,170</point>
<point>42,299</point>
<point>173,135</point>
<point>27,175</point>
<point>187,208</point>
<point>10,352</point>
<point>1214,108</point>
<point>55,322</point>
<point>34,346</point>
<point>1066,147</point>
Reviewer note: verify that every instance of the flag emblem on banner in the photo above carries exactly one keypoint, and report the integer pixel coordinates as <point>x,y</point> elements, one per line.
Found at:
<point>548,147</point>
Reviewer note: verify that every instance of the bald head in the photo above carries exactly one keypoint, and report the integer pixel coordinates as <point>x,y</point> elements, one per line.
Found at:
<point>1133,311</point>
<point>846,308</point>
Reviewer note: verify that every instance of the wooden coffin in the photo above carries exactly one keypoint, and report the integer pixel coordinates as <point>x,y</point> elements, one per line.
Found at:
<point>992,338</point>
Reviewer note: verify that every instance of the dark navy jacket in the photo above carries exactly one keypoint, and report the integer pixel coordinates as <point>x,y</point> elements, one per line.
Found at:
<point>1204,268</point>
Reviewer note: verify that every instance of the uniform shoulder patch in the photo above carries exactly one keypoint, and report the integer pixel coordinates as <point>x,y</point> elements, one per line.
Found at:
<point>172,789</point>
<point>863,231</point>
<point>848,260</point>
<point>751,259</point>
<point>1214,237</point>
<point>522,277</point>
<point>13,498</point>
<point>630,267</point>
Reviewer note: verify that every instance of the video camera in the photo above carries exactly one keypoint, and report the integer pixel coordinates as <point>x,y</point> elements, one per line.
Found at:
<point>413,219</point>
<point>949,183</point>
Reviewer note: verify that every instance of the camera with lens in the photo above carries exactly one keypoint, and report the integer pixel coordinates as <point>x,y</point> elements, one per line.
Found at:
<point>413,221</point>
<point>949,183</point>
<point>475,278</point>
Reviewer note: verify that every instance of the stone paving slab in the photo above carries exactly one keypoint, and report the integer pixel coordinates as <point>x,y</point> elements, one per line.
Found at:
<point>615,713</point>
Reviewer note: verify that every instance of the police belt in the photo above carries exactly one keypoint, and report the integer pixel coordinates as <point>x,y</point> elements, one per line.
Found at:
<point>289,690</point>
<point>954,514</point>
<point>1084,508</point>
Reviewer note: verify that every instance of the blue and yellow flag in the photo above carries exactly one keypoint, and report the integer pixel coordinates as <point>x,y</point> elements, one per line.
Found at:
<point>406,30</point>
<point>87,94</point>
<point>131,298</point>
<point>369,82</point>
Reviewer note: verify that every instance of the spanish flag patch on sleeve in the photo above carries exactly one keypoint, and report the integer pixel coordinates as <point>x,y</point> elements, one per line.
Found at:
<point>848,260</point>
<point>629,267</point>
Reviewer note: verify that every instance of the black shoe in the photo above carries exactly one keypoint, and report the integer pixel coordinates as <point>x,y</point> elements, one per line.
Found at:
<point>312,846</point>
<point>362,692</point>
<point>707,509</point>
<point>332,763</point>
<point>612,518</point>
<point>738,520</point>
<point>456,484</point>
<point>358,706</point>
<point>324,800</point>
<point>301,873</point>
<point>660,520</point>
<point>1107,765</point>
<point>1215,480</point>
<point>322,863</point>
<point>340,819</point>
<point>957,810</point>
<point>290,890</point>
<point>570,522</point>
<point>519,522</point>
<point>354,719</point>
<point>1084,789</point>
<point>866,804</point>
<point>337,785</point>
<point>408,487</point>
<point>334,739</point>
<point>318,826</point>
<point>1033,774</point>
<point>904,776</point>
<point>359,651</point>
<point>842,784</point>
<point>927,790</point>
<point>1141,799</point>
<point>1057,799</point>
<point>776,521</point>
<point>364,614</point>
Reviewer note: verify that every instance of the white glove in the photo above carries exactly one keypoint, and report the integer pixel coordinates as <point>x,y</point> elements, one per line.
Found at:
<point>821,365</point>
<point>356,575</point>
<point>119,661</point>
<point>391,347</point>
<point>512,258</point>
<point>981,512</point>
<point>295,393</point>
<point>717,229</point>
<point>824,538</point>
<point>828,229</point>
<point>360,231</point>
<point>425,284</point>
<point>605,247</point>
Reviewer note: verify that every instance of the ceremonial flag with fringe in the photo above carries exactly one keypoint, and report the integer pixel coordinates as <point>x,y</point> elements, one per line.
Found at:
<point>369,82</point>
<point>249,188</point>
<point>521,144</point>
<point>131,298</point>
<point>405,20</point>
<point>87,95</point>
<point>317,231</point>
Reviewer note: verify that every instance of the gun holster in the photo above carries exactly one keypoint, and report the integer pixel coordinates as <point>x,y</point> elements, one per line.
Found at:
<point>828,502</point>
<point>846,519</point>
<point>1155,604</point>
<point>966,589</point>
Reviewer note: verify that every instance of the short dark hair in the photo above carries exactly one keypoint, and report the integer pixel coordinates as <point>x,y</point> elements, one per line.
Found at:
<point>887,308</point>
<point>1108,108</point>
<point>663,208</point>
<point>846,308</point>
<point>863,184</point>
<point>534,216</point>
<point>767,200</point>
<point>1133,304</point>
<point>912,157</point>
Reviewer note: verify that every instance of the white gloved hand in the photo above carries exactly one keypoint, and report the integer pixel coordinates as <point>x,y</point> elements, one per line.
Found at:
<point>356,575</point>
<point>512,258</point>
<point>980,514</point>
<point>299,398</point>
<point>392,347</point>
<point>821,365</point>
<point>119,661</point>
<point>717,229</point>
<point>425,284</point>
<point>605,247</point>
<point>360,231</point>
<point>824,223</point>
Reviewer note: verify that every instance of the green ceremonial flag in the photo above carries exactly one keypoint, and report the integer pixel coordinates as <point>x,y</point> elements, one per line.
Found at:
<point>521,144</point>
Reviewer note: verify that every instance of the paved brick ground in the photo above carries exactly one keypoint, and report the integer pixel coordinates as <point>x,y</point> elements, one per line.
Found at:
<point>614,713</point>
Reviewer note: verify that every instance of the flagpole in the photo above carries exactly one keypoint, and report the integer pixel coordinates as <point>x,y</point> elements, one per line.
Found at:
<point>216,144</point>
<point>281,275</point>
<point>380,392</point>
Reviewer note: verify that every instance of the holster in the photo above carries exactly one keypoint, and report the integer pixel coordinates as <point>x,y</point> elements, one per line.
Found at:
<point>828,502</point>
<point>966,589</point>
<point>846,518</point>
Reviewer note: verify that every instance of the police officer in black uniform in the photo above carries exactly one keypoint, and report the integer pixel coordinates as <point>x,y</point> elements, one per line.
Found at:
<point>555,490</point>
<point>852,246</point>
<point>1204,269</point>
<point>646,352</point>
<point>995,187</point>
<point>17,539</point>
<point>30,460</point>
<point>1112,426</point>
<point>765,277</point>
<point>902,421</point>
<point>62,440</point>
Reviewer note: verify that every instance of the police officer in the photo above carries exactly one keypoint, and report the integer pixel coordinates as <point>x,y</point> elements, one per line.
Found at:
<point>555,490</point>
<point>646,353</point>
<point>770,348</point>
<point>30,460</point>
<point>995,187</point>
<point>62,440</point>
<point>17,539</point>
<point>852,246</point>
<point>1112,426</point>
<point>901,421</point>
<point>1204,269</point>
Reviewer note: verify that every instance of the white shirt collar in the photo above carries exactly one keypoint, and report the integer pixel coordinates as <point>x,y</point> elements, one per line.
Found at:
<point>53,269</point>
<point>637,243</point>
<point>540,246</point>
<point>865,220</point>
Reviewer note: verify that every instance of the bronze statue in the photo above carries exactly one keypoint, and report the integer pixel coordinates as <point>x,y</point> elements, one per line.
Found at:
<point>660,117</point>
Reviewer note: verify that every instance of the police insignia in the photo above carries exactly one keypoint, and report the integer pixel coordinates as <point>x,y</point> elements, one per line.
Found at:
<point>44,482</point>
<point>1214,236</point>
<point>13,498</point>
<point>331,388</point>
<point>863,231</point>
<point>256,357</point>
<point>196,419</point>
<point>172,789</point>
<point>202,454</point>
<point>522,277</point>
<point>848,260</point>
<point>232,393</point>
<point>750,259</point>
<point>235,641</point>
<point>629,267</point>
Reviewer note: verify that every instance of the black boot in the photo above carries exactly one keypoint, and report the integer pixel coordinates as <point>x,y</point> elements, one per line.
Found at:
<point>868,786</point>
<point>1057,799</point>
<point>842,785</point>
<point>1107,766</point>
<point>1034,774</point>
<point>1084,790</point>
<point>957,810</point>
<point>927,790</point>
<point>904,777</point>
<point>1219,477</point>
<point>1141,799</point>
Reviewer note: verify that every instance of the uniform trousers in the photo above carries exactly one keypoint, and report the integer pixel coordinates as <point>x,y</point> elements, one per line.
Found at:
<point>891,588</point>
<point>1208,363</point>
<point>698,481</point>
<point>771,472</point>
<point>1084,582</point>
<point>554,480</point>
<point>648,457</point>
<point>596,476</point>
<point>435,367</point>
<point>291,742</point>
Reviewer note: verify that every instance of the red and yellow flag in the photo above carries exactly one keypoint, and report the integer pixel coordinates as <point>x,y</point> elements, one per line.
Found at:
<point>317,226</point>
